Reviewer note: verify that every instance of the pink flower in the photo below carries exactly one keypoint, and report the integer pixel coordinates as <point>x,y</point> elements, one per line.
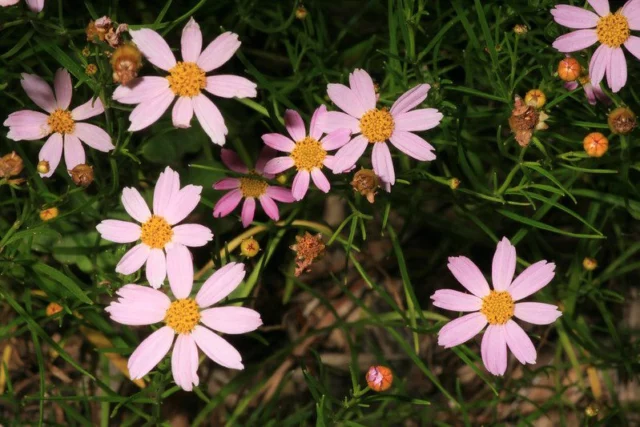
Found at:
<point>611,30</point>
<point>377,126</point>
<point>33,5</point>
<point>186,80</point>
<point>250,187</point>
<point>64,126</point>
<point>496,307</point>
<point>308,153</point>
<point>593,93</point>
<point>141,305</point>
<point>158,232</point>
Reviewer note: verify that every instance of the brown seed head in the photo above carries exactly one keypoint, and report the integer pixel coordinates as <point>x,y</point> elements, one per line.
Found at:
<point>366,182</point>
<point>523,121</point>
<point>622,121</point>
<point>379,378</point>
<point>569,69</point>
<point>10,165</point>
<point>125,62</point>
<point>595,144</point>
<point>307,248</point>
<point>82,175</point>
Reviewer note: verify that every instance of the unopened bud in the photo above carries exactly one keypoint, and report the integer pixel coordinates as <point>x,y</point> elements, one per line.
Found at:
<point>569,69</point>
<point>86,51</point>
<point>282,179</point>
<point>10,165</point>
<point>595,144</point>
<point>535,98</point>
<point>82,175</point>
<point>366,182</point>
<point>520,29</point>
<point>622,121</point>
<point>249,247</point>
<point>592,410</point>
<point>379,378</point>
<point>91,69</point>
<point>125,62</point>
<point>49,214</point>
<point>301,12</point>
<point>43,167</point>
<point>589,264</point>
<point>53,308</point>
<point>454,183</point>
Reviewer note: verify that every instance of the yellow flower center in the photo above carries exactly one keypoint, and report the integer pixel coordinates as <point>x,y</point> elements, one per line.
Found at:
<point>187,79</point>
<point>60,121</point>
<point>182,315</point>
<point>308,154</point>
<point>498,307</point>
<point>253,187</point>
<point>156,232</point>
<point>613,29</point>
<point>377,125</point>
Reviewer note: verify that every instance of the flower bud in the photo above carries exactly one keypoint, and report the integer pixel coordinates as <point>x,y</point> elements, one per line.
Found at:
<point>520,29</point>
<point>589,264</point>
<point>86,51</point>
<point>10,165</point>
<point>53,308</point>
<point>49,214</point>
<point>379,378</point>
<point>366,182</point>
<point>282,179</point>
<point>569,69</point>
<point>591,410</point>
<point>91,69</point>
<point>535,98</point>
<point>301,12</point>
<point>622,121</point>
<point>82,175</point>
<point>125,62</point>
<point>454,183</point>
<point>43,167</point>
<point>249,247</point>
<point>595,144</point>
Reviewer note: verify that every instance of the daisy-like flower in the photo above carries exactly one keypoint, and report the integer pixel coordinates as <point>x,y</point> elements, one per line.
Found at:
<point>64,126</point>
<point>308,154</point>
<point>161,240</point>
<point>378,125</point>
<point>184,316</point>
<point>252,186</point>
<point>496,307</point>
<point>593,93</point>
<point>33,5</point>
<point>611,30</point>
<point>186,81</point>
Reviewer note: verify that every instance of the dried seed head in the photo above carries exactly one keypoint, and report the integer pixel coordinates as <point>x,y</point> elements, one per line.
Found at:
<point>569,69</point>
<point>10,165</point>
<point>379,378</point>
<point>49,214</point>
<point>520,29</point>
<point>622,121</point>
<point>535,98</point>
<point>43,167</point>
<point>97,30</point>
<point>125,62</point>
<point>301,12</point>
<point>366,182</point>
<point>589,264</point>
<point>307,248</point>
<point>595,144</point>
<point>91,69</point>
<point>523,121</point>
<point>82,175</point>
<point>53,308</point>
<point>249,247</point>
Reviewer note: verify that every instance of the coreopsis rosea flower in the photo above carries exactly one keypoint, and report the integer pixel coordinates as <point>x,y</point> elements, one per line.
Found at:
<point>33,5</point>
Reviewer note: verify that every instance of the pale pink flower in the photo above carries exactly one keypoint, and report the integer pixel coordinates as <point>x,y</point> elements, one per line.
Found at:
<point>64,126</point>
<point>33,5</point>
<point>252,186</point>
<point>593,93</point>
<point>496,307</point>
<point>377,126</point>
<point>140,305</point>
<point>186,80</point>
<point>307,153</point>
<point>611,30</point>
<point>161,240</point>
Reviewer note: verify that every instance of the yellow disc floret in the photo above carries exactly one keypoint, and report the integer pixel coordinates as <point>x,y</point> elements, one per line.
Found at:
<point>308,154</point>
<point>253,187</point>
<point>183,315</point>
<point>60,121</point>
<point>377,125</point>
<point>187,79</point>
<point>498,307</point>
<point>156,232</point>
<point>613,30</point>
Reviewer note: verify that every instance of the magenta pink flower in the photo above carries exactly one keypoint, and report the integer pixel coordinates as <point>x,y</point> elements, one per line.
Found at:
<point>377,126</point>
<point>141,305</point>
<point>186,80</point>
<point>33,5</point>
<point>64,126</point>
<point>308,154</point>
<point>593,93</point>
<point>252,186</point>
<point>611,30</point>
<point>158,233</point>
<point>496,307</point>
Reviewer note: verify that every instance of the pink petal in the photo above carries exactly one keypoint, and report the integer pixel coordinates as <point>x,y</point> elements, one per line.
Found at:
<point>27,125</point>
<point>362,86</point>
<point>156,268</point>
<point>153,46</point>
<point>382,162</point>
<point>519,343</point>
<point>167,187</point>
<point>227,203</point>
<point>571,85</point>
<point>118,231</point>
<point>575,40</point>
<point>229,86</point>
<point>220,284</point>
<point>210,119</point>
<point>300,184</point>
<point>456,301</point>
<point>574,17</point>
<point>632,44</point>
<point>348,155</point>
<point>598,64</point>
<point>134,259</point>
<point>600,6</point>
<point>141,89</point>
<point>320,180</point>
<point>180,271</point>
<point>461,330</point>
<point>39,91</point>
<point>182,204</point>
<point>94,137</point>
<point>334,120</point>
<point>346,99</point>
<point>469,275</point>
<point>278,165</point>
<point>51,151</point>
<point>5,3</point>
<point>590,93</point>
<point>191,41</point>
<point>494,349</point>
<point>35,5</point>
<point>192,235</point>
<point>217,348</point>
<point>227,184</point>
<point>336,139</point>
<point>295,125</point>
<point>410,99</point>
<point>631,10</point>
<point>231,320</point>
<point>280,194</point>
<point>63,88</point>
<point>537,313</point>
<point>617,70</point>
<point>135,205</point>
<point>138,305</point>
<point>531,280</point>
<point>315,131</point>
<point>219,51</point>
<point>89,109</point>
<point>504,265</point>
<point>182,112</point>
<point>417,120</point>
<point>150,352</point>
<point>233,161</point>
<point>279,142</point>
<point>412,145</point>
<point>270,207</point>
<point>184,361</point>
<point>248,211</point>
<point>267,153</point>
<point>599,94</point>
<point>149,111</point>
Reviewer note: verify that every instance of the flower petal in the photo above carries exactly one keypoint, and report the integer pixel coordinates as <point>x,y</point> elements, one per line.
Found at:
<point>156,268</point>
<point>118,231</point>
<point>233,161</point>
<point>138,305</point>
<point>219,51</point>
<point>217,349</point>
<point>248,211</point>
<point>295,125</point>
<point>598,64</point>
<point>63,88</point>
<point>418,120</point>
<point>231,320</point>
<point>537,313</point>
<point>280,194</point>
<point>192,235</point>
<point>182,204</point>
<point>320,180</point>
<point>336,139</point>
<point>180,271</point>
<point>135,205</point>
<point>600,6</point>
<point>229,86</point>
<point>412,145</point>
<point>469,275</point>
<point>191,41</point>
<point>141,89</point>
<point>51,151</point>
<point>35,5</point>
<point>153,46</point>
<point>227,184</point>
<point>410,99</point>
<point>315,131</point>
<point>167,187</point>
<point>182,112</point>
<point>504,265</point>
<point>348,155</point>
<point>73,152</point>
<point>617,70</point>
<point>300,184</point>
<point>362,86</point>
<point>210,119</point>
<point>334,120</point>
<point>382,162</point>
<point>220,284</point>
<point>531,280</point>
<point>94,137</point>
<point>28,125</point>
<point>149,111</point>
<point>519,343</point>
<point>461,330</point>
<point>227,203</point>
<point>575,40</point>
<point>150,352</point>
<point>266,154</point>
<point>456,301</point>
<point>39,91</point>
<point>279,164</point>
<point>346,99</point>
<point>184,361</point>
<point>89,109</point>
<point>632,44</point>
<point>279,142</point>
<point>574,17</point>
<point>269,207</point>
<point>631,10</point>
<point>494,349</point>
<point>134,259</point>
